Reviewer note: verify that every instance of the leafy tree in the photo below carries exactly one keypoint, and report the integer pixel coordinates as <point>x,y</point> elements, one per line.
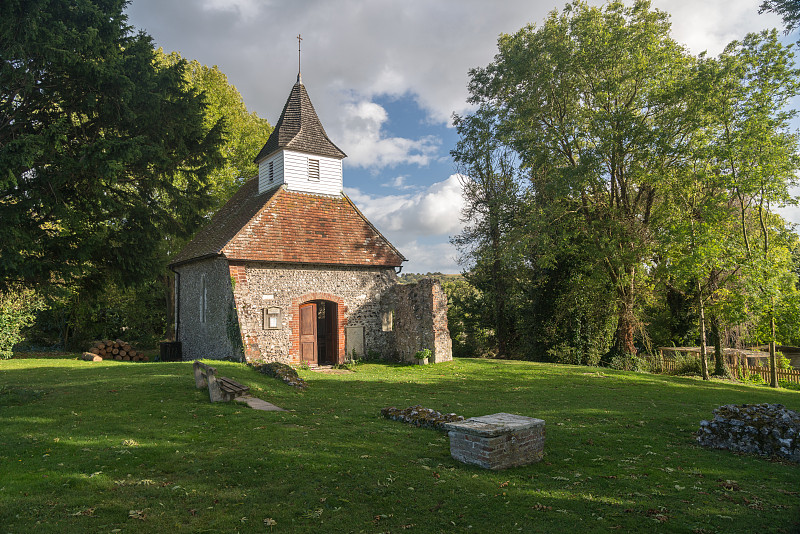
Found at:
<point>590,101</point>
<point>92,135</point>
<point>243,132</point>
<point>760,160</point>
<point>488,179</point>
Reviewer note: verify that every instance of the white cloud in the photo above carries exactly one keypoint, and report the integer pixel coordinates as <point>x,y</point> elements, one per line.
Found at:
<point>244,8</point>
<point>373,48</point>
<point>434,211</point>
<point>711,25</point>
<point>361,134</point>
<point>418,224</point>
<point>430,258</point>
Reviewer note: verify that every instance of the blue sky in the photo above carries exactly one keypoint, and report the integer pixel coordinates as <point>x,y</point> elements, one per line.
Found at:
<point>385,77</point>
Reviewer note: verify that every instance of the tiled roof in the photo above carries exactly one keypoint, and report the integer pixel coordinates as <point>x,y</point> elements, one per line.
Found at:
<point>299,129</point>
<point>287,227</point>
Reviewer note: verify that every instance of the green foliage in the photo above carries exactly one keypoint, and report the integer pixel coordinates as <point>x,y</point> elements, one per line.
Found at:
<point>18,307</point>
<point>423,354</point>
<point>466,319</point>
<point>93,136</point>
<point>687,365</point>
<point>630,362</point>
<point>69,319</point>
<point>622,193</point>
<point>243,132</point>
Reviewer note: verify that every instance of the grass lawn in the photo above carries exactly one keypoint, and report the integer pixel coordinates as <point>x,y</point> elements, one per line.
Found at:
<point>115,447</point>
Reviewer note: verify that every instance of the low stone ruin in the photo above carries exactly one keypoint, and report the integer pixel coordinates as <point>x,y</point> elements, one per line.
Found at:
<point>419,416</point>
<point>497,441</point>
<point>765,429</point>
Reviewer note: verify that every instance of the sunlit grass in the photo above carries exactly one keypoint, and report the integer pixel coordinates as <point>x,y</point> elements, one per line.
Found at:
<point>135,447</point>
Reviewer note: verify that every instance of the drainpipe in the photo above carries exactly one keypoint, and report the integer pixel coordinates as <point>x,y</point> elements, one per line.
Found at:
<point>177,301</point>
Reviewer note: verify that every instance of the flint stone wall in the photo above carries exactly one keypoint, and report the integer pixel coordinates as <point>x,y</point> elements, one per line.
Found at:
<point>420,320</point>
<point>397,320</point>
<point>357,290</point>
<point>218,336</point>
<point>765,429</point>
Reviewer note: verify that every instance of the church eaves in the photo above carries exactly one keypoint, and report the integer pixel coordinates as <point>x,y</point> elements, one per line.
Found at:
<point>300,129</point>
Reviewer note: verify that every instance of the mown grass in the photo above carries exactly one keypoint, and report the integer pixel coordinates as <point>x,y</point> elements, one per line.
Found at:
<point>112,447</point>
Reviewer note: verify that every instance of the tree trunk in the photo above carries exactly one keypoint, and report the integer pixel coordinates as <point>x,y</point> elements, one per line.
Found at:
<point>499,289</point>
<point>623,338</point>
<point>719,360</point>
<point>773,370</point>
<point>703,348</point>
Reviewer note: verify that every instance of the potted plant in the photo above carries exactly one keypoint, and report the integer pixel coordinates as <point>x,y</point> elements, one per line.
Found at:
<point>421,356</point>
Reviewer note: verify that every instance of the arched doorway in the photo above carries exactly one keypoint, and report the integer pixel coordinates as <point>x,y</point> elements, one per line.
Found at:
<point>319,332</point>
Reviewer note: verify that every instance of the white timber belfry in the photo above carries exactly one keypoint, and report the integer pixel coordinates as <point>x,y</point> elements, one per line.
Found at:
<point>294,169</point>
<point>299,155</point>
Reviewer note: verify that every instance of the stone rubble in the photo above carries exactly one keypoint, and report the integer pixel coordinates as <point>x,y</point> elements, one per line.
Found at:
<point>422,417</point>
<point>765,429</point>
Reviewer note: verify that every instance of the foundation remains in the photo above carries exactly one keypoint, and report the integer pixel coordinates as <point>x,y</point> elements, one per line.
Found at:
<point>497,441</point>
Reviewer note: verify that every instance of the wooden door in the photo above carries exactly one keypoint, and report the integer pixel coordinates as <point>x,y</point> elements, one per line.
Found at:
<point>308,333</point>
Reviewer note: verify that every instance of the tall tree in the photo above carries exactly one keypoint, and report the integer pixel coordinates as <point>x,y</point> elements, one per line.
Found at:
<point>244,132</point>
<point>759,156</point>
<point>591,103</point>
<point>92,135</point>
<point>490,190</point>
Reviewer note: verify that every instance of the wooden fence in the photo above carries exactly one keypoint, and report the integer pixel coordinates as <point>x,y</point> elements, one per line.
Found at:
<point>737,366</point>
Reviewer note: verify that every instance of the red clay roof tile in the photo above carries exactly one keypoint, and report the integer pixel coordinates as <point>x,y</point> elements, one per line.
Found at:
<point>288,227</point>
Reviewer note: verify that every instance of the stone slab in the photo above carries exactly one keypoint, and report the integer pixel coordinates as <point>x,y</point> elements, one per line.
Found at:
<point>258,404</point>
<point>496,424</point>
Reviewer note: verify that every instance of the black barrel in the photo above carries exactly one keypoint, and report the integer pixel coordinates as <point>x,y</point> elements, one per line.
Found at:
<point>171,351</point>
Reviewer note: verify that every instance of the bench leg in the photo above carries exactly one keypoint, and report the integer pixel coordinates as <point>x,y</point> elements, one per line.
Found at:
<point>214,391</point>
<point>199,380</point>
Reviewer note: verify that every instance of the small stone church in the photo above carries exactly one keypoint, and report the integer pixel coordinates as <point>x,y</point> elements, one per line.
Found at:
<point>290,270</point>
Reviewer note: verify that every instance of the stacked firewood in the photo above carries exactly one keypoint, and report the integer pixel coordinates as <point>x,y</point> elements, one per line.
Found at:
<point>118,350</point>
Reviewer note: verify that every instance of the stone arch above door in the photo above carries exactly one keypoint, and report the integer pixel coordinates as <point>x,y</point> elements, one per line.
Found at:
<point>294,323</point>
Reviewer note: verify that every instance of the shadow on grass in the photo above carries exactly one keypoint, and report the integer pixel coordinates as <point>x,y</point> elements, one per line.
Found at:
<point>109,439</point>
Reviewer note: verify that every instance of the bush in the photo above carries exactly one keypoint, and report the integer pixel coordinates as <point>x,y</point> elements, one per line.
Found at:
<point>423,354</point>
<point>687,364</point>
<point>566,353</point>
<point>629,362</point>
<point>18,307</point>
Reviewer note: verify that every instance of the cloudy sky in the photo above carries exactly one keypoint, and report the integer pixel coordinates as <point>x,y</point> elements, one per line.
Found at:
<point>385,78</point>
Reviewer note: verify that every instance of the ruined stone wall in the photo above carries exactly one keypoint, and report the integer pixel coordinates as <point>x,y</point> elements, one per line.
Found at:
<point>357,291</point>
<point>217,336</point>
<point>420,320</point>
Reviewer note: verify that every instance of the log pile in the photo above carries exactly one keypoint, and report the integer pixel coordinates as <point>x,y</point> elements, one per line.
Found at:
<point>117,350</point>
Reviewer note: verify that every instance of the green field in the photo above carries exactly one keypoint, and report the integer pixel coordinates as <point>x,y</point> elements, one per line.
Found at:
<point>115,447</point>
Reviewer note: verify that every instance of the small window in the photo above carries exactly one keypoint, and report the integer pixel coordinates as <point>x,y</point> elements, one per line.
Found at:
<point>271,318</point>
<point>271,170</point>
<point>387,321</point>
<point>313,169</point>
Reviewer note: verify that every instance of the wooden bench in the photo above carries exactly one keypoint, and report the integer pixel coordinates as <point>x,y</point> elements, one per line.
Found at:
<point>220,388</point>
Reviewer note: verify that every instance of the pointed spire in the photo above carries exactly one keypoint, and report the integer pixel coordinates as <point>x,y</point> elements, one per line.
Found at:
<point>299,128</point>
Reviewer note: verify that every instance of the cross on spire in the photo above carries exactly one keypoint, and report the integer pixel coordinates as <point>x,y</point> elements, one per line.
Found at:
<point>299,79</point>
